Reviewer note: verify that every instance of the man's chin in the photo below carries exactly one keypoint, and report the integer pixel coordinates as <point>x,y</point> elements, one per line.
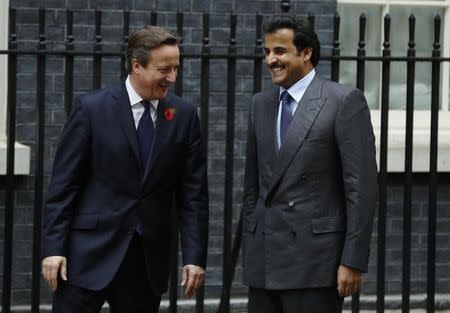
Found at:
<point>277,80</point>
<point>162,94</point>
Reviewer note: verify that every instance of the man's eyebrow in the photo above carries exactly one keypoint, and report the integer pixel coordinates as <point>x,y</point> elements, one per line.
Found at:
<point>278,48</point>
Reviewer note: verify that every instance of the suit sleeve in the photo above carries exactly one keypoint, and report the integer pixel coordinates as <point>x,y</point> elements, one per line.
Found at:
<point>356,144</point>
<point>251,180</point>
<point>193,198</point>
<point>69,167</point>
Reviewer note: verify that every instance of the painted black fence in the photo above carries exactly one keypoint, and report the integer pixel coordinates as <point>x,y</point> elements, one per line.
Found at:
<point>231,245</point>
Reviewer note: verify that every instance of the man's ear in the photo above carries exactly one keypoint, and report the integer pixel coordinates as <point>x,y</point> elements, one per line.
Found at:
<point>306,54</point>
<point>135,66</point>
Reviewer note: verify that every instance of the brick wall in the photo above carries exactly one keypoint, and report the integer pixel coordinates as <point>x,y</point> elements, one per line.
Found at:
<point>27,32</point>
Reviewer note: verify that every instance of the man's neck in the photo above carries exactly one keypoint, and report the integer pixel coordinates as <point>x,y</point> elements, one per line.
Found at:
<point>134,85</point>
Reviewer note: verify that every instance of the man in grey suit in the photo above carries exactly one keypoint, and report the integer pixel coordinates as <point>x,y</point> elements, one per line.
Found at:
<point>310,182</point>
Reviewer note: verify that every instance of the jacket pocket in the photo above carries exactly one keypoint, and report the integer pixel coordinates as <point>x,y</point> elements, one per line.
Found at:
<point>322,139</point>
<point>85,221</point>
<point>328,224</point>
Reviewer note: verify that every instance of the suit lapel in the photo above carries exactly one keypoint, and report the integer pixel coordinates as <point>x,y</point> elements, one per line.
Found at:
<point>162,133</point>
<point>122,108</point>
<point>307,111</point>
<point>270,126</point>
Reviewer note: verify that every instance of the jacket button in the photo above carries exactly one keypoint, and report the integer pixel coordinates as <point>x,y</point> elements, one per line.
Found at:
<point>293,233</point>
<point>291,204</point>
<point>303,176</point>
<point>130,231</point>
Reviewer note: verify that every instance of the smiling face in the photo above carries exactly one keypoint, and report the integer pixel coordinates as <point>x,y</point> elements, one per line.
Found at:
<point>152,81</point>
<point>286,64</point>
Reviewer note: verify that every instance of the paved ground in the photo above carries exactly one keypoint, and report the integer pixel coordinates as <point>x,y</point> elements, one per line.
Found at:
<point>210,309</point>
<point>239,305</point>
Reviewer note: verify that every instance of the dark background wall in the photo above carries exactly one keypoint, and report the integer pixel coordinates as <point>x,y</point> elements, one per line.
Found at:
<point>27,33</point>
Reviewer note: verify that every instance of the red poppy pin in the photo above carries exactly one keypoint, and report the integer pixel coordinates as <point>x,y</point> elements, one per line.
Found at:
<point>169,113</point>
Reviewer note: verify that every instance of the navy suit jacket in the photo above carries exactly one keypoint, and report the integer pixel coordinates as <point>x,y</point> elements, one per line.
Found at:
<point>98,191</point>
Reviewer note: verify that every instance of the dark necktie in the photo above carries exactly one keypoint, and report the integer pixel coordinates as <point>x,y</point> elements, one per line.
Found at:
<point>286,114</point>
<point>145,132</point>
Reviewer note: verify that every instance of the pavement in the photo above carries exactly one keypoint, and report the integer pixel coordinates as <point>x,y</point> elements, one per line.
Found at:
<point>239,305</point>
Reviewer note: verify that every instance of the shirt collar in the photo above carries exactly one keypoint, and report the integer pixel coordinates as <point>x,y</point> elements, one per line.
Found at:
<point>298,89</point>
<point>134,97</point>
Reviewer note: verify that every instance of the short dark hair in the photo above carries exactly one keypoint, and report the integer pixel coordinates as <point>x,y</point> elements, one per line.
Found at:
<point>142,41</point>
<point>304,35</point>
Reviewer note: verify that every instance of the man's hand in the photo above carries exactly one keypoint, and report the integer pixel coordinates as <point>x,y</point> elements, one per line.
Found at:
<point>193,278</point>
<point>51,266</point>
<point>349,281</point>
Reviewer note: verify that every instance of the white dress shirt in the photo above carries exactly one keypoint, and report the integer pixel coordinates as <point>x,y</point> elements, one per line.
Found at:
<point>296,91</point>
<point>136,106</point>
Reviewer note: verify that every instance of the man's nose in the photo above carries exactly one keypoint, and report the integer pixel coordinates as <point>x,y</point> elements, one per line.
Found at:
<point>172,76</point>
<point>271,58</point>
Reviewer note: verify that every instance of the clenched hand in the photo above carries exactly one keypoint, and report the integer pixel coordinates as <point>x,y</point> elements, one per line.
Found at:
<point>349,281</point>
<point>193,278</point>
<point>51,266</point>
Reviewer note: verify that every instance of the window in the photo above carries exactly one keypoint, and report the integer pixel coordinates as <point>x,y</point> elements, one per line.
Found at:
<point>22,153</point>
<point>400,11</point>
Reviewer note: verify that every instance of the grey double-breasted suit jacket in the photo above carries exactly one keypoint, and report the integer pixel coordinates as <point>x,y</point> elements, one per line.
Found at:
<point>308,206</point>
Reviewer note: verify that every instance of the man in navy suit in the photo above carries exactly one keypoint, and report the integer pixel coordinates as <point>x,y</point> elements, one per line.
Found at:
<point>131,157</point>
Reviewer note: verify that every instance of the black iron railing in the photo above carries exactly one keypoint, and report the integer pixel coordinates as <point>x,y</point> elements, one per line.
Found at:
<point>230,246</point>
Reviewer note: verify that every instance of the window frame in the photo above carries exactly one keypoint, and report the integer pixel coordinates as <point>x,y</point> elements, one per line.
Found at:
<point>21,152</point>
<point>397,118</point>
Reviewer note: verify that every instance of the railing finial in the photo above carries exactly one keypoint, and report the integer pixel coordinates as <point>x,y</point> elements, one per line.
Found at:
<point>285,6</point>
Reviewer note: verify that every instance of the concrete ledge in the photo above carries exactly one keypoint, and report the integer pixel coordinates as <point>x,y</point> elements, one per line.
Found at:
<point>239,305</point>
<point>421,140</point>
<point>21,159</point>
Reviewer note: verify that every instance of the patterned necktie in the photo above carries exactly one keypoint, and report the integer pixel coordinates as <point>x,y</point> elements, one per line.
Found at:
<point>286,114</point>
<point>145,132</point>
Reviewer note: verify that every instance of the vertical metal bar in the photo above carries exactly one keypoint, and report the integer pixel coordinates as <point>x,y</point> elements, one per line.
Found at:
<point>204,117</point>
<point>200,300</point>
<point>126,29</point>
<point>10,180</point>
<point>173,287</point>
<point>234,257</point>
<point>257,63</point>
<point>382,175</point>
<point>311,20</point>
<point>179,82</point>
<point>153,18</point>
<point>360,77</point>
<point>336,51</point>
<point>204,79</point>
<point>229,161</point>
<point>360,66</point>
<point>173,282</point>
<point>68,75</point>
<point>39,170</point>
<point>407,195</point>
<point>97,77</point>
<point>432,192</point>
<point>285,6</point>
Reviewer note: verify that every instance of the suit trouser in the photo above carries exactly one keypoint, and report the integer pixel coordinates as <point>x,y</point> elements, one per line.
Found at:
<point>317,300</point>
<point>128,292</point>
